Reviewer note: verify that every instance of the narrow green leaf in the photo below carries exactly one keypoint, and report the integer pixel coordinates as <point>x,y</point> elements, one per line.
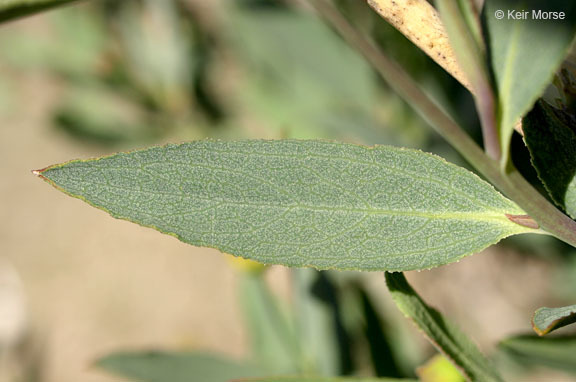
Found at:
<point>463,27</point>
<point>272,334</point>
<point>552,144</point>
<point>175,367</point>
<point>316,324</point>
<point>555,352</point>
<point>384,350</point>
<point>446,337</point>
<point>300,203</point>
<point>546,320</point>
<point>297,70</point>
<point>320,379</point>
<point>13,9</point>
<point>525,52</point>
<point>463,30</point>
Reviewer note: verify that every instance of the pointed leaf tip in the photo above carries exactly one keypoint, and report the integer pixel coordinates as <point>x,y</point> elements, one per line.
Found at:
<point>39,173</point>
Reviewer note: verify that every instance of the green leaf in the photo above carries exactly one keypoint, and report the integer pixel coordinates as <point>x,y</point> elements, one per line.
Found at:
<point>320,379</point>
<point>13,9</point>
<point>300,203</point>
<point>301,77</point>
<point>546,320</point>
<point>272,334</point>
<point>446,337</point>
<point>161,64</point>
<point>175,367</point>
<point>463,26</point>
<point>525,53</point>
<point>552,144</point>
<point>383,343</point>
<point>555,352</point>
<point>315,324</point>
<point>96,113</point>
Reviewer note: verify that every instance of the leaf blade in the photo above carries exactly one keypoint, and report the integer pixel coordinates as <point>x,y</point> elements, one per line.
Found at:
<point>14,9</point>
<point>446,337</point>
<point>525,53</point>
<point>300,203</point>
<point>175,367</point>
<point>554,352</point>
<point>271,331</point>
<point>463,26</point>
<point>546,320</point>
<point>552,145</point>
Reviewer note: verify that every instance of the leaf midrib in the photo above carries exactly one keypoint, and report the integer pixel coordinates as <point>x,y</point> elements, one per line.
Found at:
<point>444,215</point>
<point>392,169</point>
<point>183,194</point>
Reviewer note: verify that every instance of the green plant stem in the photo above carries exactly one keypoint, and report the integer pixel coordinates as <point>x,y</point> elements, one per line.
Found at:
<point>486,106</point>
<point>13,10</point>
<point>470,53</point>
<point>511,183</point>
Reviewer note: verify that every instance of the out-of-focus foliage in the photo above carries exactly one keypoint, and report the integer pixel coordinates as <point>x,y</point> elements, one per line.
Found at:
<point>532,351</point>
<point>13,9</point>
<point>135,72</point>
<point>320,334</point>
<point>176,367</point>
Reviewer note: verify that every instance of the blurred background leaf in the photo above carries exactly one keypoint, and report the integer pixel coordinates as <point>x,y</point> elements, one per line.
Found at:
<point>13,9</point>
<point>125,74</point>
<point>532,351</point>
<point>175,367</point>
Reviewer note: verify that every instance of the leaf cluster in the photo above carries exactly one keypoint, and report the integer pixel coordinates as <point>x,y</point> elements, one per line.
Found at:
<point>337,206</point>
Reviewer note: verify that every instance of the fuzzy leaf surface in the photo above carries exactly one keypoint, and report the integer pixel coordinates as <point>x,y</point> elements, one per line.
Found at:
<point>525,53</point>
<point>300,203</point>
<point>13,9</point>
<point>446,337</point>
<point>546,320</point>
<point>550,135</point>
